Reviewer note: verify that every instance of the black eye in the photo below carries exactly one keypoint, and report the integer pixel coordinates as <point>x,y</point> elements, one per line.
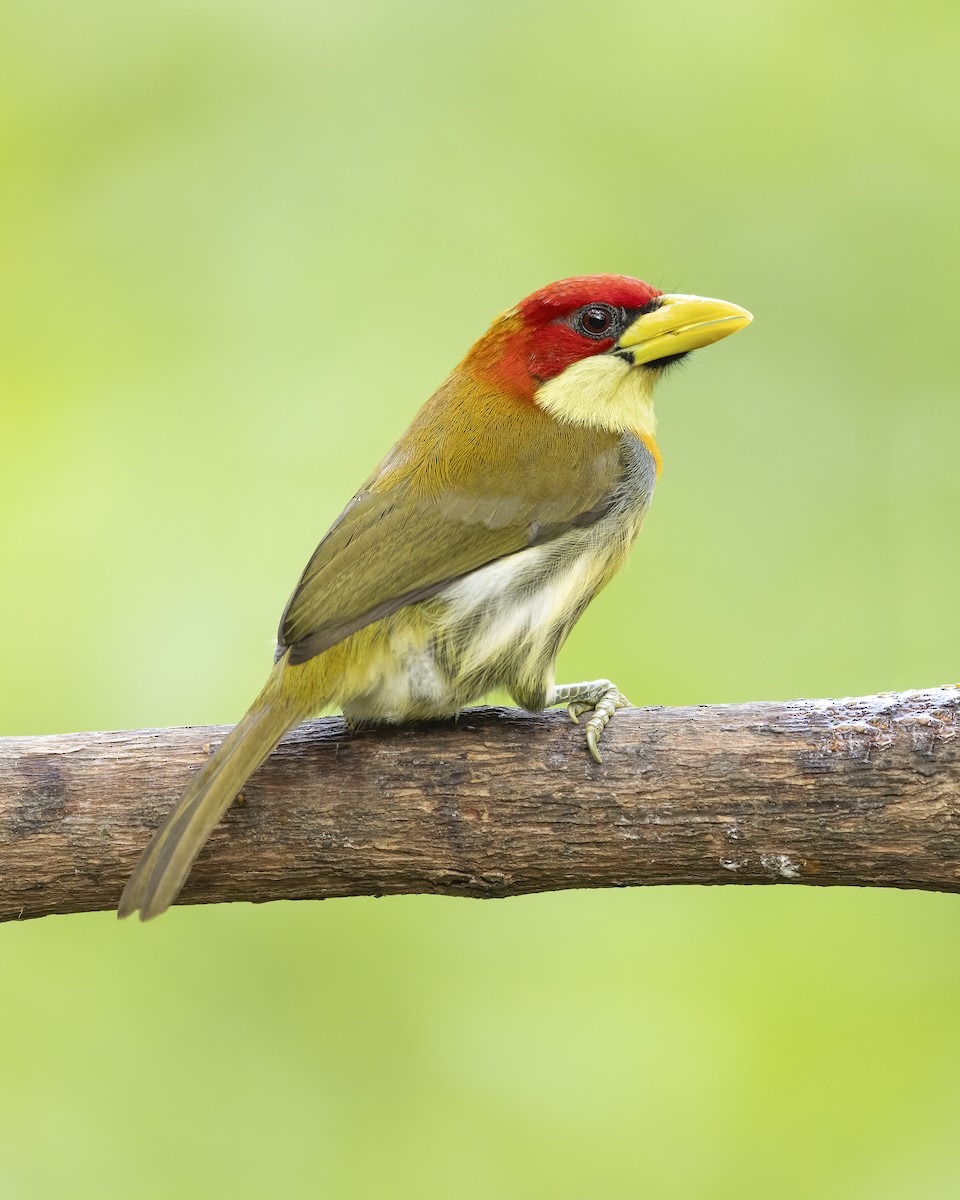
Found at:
<point>596,320</point>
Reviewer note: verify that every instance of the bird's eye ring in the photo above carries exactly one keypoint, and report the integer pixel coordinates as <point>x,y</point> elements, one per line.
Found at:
<point>595,321</point>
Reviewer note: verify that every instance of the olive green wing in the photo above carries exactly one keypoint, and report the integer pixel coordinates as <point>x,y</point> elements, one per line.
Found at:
<point>402,539</point>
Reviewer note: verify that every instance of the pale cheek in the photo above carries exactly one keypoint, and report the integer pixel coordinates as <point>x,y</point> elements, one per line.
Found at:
<point>601,393</point>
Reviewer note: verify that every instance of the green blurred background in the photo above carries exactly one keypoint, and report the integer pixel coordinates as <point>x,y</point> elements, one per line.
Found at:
<point>239,244</point>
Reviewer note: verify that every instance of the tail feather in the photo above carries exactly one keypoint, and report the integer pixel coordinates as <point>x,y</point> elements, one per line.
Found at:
<point>166,862</point>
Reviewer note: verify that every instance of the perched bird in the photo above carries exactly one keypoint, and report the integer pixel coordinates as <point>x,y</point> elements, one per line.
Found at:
<point>469,554</point>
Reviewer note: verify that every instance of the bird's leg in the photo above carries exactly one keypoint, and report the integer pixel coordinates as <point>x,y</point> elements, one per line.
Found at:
<point>600,695</point>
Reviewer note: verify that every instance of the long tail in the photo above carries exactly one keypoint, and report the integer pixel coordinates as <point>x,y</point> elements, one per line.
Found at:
<point>165,864</point>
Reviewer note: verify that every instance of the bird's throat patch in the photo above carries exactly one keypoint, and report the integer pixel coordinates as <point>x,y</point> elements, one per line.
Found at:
<point>602,392</point>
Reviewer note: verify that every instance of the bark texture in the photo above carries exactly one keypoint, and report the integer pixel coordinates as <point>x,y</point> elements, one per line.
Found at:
<point>859,791</point>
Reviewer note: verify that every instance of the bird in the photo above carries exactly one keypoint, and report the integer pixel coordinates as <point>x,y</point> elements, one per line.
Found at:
<point>466,558</point>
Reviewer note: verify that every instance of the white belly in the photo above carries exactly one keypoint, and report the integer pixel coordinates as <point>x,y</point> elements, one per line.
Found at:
<point>501,626</point>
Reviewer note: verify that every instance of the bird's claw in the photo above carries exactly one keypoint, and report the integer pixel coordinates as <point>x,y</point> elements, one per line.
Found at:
<point>577,708</point>
<point>601,697</point>
<point>604,709</point>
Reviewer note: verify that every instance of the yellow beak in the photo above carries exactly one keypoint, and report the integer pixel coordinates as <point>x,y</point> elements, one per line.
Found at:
<point>681,323</point>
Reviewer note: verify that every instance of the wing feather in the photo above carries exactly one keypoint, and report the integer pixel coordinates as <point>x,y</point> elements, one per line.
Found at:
<point>475,478</point>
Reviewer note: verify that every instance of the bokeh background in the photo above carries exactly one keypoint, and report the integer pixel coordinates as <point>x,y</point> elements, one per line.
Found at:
<point>239,244</point>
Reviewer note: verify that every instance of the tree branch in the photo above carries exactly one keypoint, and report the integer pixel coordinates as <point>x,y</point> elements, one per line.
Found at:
<point>863,792</point>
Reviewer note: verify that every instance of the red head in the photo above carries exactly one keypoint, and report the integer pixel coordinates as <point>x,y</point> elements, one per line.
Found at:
<point>557,326</point>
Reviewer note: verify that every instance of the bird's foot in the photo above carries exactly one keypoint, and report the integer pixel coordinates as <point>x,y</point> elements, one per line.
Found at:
<point>601,697</point>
